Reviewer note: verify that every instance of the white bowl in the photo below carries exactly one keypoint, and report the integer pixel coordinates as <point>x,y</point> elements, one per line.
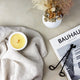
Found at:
<point>51,24</point>
<point>26,40</point>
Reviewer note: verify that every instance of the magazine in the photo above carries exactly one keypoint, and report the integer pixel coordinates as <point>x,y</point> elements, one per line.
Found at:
<point>61,44</point>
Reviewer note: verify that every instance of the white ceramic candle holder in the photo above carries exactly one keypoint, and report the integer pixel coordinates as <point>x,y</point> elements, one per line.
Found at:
<point>25,37</point>
<point>51,24</point>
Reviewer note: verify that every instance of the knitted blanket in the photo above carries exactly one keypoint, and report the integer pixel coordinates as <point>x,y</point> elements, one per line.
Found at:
<point>26,64</point>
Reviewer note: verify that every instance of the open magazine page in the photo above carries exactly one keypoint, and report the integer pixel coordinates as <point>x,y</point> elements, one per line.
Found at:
<point>61,45</point>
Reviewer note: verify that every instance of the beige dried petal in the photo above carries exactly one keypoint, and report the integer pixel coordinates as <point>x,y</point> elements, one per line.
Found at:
<point>59,18</point>
<point>40,4</point>
<point>53,9</point>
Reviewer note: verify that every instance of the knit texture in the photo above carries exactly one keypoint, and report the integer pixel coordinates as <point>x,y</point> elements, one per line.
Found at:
<point>26,64</point>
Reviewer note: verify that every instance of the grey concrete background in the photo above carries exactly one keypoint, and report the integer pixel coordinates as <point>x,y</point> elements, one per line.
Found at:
<point>21,12</point>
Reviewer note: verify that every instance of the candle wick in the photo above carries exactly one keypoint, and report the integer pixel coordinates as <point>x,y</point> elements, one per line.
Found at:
<point>18,41</point>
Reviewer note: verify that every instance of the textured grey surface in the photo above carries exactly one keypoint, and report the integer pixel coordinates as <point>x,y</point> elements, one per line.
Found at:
<point>21,12</point>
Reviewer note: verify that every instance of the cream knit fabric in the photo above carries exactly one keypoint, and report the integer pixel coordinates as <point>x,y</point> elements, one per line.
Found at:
<point>21,65</point>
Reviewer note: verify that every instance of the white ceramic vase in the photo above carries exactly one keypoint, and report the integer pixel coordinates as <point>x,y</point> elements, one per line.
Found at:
<point>51,24</point>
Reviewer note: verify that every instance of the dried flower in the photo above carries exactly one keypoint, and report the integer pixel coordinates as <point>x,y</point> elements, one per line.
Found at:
<point>64,5</point>
<point>40,4</point>
<point>54,9</point>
